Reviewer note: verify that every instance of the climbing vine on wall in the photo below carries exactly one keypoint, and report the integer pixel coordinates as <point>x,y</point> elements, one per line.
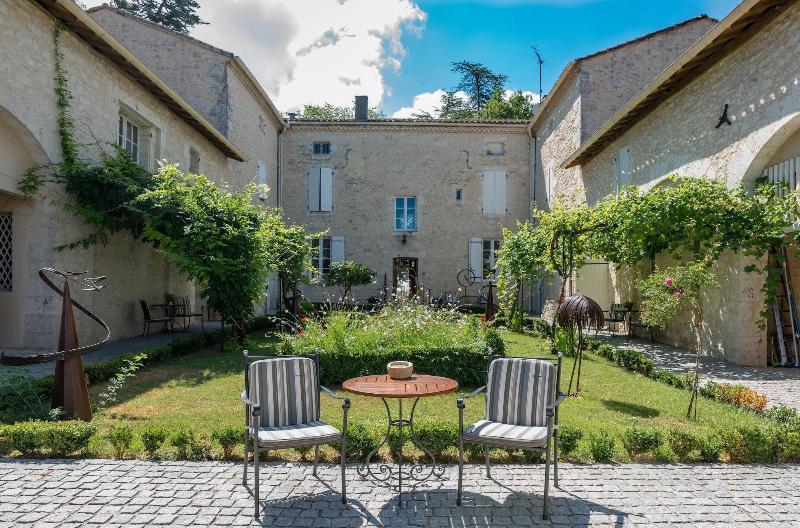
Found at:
<point>219,238</point>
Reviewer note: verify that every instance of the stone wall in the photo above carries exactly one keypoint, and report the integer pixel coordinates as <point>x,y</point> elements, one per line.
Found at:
<point>373,164</point>
<point>759,82</point>
<point>28,107</point>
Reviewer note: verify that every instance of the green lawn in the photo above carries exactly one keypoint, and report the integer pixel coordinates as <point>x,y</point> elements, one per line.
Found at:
<point>201,392</point>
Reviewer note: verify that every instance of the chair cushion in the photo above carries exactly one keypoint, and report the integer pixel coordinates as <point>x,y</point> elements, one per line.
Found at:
<point>519,390</point>
<point>287,389</point>
<point>499,434</point>
<point>307,434</point>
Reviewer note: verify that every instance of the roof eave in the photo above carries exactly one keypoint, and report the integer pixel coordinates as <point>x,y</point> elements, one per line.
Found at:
<point>99,39</point>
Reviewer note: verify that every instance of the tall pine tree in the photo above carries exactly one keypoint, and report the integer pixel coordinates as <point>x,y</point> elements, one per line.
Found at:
<point>180,15</point>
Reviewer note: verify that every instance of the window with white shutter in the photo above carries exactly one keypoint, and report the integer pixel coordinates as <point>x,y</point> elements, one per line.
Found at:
<point>622,166</point>
<point>320,189</point>
<point>337,249</point>
<point>133,135</point>
<point>321,255</point>
<point>494,192</point>
<point>490,254</point>
<point>476,257</point>
<point>262,179</point>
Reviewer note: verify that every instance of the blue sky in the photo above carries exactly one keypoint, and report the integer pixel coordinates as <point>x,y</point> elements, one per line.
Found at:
<point>499,34</point>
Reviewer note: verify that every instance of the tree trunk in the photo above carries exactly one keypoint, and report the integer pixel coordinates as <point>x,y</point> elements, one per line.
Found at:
<point>697,319</point>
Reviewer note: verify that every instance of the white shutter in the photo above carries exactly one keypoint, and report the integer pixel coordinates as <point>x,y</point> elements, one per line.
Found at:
<point>313,189</point>
<point>262,173</point>
<point>337,249</point>
<point>326,189</point>
<point>476,257</point>
<point>623,168</point>
<point>500,180</point>
<point>488,192</point>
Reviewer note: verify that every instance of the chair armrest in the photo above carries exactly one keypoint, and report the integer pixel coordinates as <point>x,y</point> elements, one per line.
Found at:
<point>460,401</point>
<point>326,391</point>
<point>551,409</point>
<point>255,409</point>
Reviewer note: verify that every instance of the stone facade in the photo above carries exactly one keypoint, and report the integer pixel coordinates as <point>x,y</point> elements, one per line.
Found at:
<point>373,163</point>
<point>759,82</point>
<point>28,115</point>
<point>591,90</point>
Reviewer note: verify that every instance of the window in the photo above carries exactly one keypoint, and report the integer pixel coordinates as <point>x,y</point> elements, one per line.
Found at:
<point>494,192</point>
<point>459,195</point>
<point>495,148</point>
<point>6,235</point>
<point>490,249</point>
<point>320,189</point>
<point>322,148</point>
<point>549,179</point>
<point>405,213</point>
<point>194,160</point>
<point>129,137</point>
<point>325,251</point>
<point>321,255</point>
<point>262,180</point>
<point>622,167</point>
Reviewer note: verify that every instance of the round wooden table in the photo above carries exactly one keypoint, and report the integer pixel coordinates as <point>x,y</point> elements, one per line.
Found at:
<point>416,387</point>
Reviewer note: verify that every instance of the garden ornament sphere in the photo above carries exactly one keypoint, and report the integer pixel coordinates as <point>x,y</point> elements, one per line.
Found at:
<point>580,310</point>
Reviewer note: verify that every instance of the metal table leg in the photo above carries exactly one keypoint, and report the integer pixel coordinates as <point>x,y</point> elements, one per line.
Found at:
<point>386,473</point>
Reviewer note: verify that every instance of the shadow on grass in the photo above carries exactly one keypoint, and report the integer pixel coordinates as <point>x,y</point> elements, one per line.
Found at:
<point>631,409</point>
<point>187,371</point>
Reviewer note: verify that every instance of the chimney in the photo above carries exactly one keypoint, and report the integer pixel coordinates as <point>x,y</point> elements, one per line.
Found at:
<point>292,116</point>
<point>362,105</point>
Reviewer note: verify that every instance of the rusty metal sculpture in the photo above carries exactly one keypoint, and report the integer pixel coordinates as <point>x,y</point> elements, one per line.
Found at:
<point>69,387</point>
<point>576,313</point>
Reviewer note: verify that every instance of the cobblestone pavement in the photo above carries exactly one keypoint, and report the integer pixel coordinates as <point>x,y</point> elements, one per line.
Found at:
<point>780,385</point>
<point>70,493</point>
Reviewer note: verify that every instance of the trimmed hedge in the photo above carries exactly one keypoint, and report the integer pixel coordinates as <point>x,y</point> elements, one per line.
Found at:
<point>47,438</point>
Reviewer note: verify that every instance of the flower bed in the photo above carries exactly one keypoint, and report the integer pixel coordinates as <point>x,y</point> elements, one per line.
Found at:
<point>436,341</point>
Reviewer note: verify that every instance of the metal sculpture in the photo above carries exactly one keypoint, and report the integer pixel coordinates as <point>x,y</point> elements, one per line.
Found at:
<point>69,387</point>
<point>576,313</point>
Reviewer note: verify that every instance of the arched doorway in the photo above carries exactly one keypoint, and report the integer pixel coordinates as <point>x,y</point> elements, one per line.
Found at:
<point>19,151</point>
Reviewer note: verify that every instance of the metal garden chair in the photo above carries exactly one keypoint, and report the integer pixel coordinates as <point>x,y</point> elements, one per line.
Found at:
<point>281,395</point>
<point>522,400</point>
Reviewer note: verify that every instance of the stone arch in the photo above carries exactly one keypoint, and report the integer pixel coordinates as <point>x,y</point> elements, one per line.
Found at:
<point>761,159</point>
<point>19,151</point>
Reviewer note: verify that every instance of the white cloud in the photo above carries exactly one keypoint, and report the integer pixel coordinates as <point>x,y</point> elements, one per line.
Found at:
<point>313,51</point>
<point>429,101</point>
<point>424,102</point>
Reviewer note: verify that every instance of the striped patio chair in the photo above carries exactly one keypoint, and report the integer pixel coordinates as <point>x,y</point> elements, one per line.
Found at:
<point>281,396</point>
<point>522,400</point>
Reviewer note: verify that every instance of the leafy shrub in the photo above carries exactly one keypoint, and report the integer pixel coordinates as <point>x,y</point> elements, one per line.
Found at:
<point>640,440</point>
<point>741,396</point>
<point>710,448</point>
<point>346,275</point>
<point>438,437</point>
<point>494,342</point>
<point>360,442</point>
<point>128,370</point>
<point>532,457</point>
<point>747,444</point>
<point>788,444</point>
<point>568,438</point>
<point>354,344</point>
<point>782,414</point>
<point>67,437</point>
<point>228,438</point>
<point>57,438</point>
<point>120,437</point>
<point>682,442</point>
<point>23,398</point>
<point>601,446</point>
<point>187,445</point>
<point>5,442</point>
<point>152,439</point>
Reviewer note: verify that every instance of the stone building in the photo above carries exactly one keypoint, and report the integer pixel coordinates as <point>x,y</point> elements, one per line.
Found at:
<point>415,200</point>
<point>747,63</point>
<point>115,98</point>
<point>587,93</point>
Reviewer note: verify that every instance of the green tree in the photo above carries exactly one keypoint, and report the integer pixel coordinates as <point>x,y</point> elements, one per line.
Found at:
<point>180,15</point>
<point>454,106</point>
<point>329,111</point>
<point>478,82</point>
<point>346,275</point>
<point>522,259</point>
<point>517,106</point>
